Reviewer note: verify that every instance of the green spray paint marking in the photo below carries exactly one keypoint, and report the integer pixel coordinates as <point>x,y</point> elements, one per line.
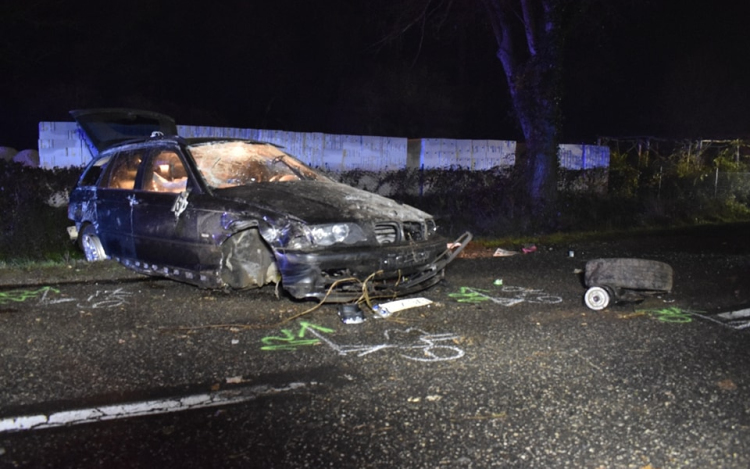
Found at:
<point>470,295</point>
<point>19,296</point>
<point>673,314</point>
<point>290,341</point>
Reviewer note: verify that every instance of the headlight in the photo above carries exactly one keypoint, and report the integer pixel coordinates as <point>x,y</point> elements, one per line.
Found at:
<point>327,235</point>
<point>297,236</point>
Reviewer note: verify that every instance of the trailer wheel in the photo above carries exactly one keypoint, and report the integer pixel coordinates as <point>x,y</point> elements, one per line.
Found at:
<point>597,298</point>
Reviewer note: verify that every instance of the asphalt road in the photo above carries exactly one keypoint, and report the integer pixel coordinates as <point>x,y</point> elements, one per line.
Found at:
<point>506,368</point>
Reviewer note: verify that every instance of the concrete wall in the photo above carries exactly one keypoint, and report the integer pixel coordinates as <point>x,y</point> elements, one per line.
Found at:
<point>60,146</point>
<point>476,155</point>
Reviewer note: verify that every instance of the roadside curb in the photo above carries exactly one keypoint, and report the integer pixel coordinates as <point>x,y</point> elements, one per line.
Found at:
<point>76,272</point>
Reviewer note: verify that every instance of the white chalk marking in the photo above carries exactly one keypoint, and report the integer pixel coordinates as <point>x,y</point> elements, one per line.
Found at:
<point>737,320</point>
<point>426,344</point>
<point>741,314</point>
<point>501,301</point>
<point>109,299</point>
<point>139,409</point>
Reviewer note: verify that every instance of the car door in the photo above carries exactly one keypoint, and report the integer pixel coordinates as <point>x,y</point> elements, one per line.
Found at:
<point>164,229</point>
<point>114,199</point>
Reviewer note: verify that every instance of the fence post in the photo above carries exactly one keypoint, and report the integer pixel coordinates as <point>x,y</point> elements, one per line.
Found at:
<point>661,174</point>
<point>421,180</point>
<point>716,183</point>
<point>737,153</point>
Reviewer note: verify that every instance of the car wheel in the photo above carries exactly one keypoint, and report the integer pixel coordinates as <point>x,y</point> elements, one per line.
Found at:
<point>247,262</point>
<point>597,298</point>
<point>91,245</point>
<point>632,274</point>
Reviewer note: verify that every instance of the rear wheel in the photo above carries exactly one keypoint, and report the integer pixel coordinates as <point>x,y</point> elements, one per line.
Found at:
<point>91,244</point>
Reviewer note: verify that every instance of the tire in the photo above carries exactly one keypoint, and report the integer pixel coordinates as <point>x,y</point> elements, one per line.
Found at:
<point>247,262</point>
<point>91,245</point>
<point>597,298</point>
<point>631,274</point>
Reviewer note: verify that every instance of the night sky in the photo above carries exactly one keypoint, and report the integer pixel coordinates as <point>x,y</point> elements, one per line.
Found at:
<point>671,69</point>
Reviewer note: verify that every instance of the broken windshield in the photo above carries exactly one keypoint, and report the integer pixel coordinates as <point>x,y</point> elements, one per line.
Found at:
<point>237,163</point>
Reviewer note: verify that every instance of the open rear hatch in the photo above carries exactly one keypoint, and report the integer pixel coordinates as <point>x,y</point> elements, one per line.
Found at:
<point>104,128</point>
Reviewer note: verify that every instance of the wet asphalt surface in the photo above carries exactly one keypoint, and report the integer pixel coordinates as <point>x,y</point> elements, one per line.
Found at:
<point>511,374</point>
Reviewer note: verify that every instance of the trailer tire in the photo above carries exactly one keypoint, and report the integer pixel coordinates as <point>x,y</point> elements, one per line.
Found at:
<point>629,274</point>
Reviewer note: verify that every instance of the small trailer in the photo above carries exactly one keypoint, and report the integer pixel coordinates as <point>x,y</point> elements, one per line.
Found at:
<point>624,279</point>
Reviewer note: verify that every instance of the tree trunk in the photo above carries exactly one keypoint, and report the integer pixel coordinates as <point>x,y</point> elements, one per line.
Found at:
<point>537,113</point>
<point>527,34</point>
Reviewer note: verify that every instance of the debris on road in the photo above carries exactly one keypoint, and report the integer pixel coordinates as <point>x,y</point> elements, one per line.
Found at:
<point>387,309</point>
<point>351,314</point>
<point>500,252</point>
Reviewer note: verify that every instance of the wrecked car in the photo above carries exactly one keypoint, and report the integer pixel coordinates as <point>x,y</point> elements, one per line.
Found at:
<point>226,212</point>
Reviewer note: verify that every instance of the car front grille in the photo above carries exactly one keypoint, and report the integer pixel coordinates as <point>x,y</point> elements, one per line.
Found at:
<point>386,233</point>
<point>410,231</point>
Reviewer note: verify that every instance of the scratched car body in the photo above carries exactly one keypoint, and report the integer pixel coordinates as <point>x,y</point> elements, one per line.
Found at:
<point>223,212</point>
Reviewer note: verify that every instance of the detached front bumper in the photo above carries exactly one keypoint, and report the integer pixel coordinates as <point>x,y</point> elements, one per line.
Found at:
<point>338,276</point>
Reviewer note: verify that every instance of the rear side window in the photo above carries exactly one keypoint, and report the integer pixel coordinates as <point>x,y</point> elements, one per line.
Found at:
<point>92,174</point>
<point>123,169</point>
<point>165,172</point>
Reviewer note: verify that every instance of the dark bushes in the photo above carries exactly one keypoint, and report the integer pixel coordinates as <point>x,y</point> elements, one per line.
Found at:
<point>31,229</point>
<point>487,203</point>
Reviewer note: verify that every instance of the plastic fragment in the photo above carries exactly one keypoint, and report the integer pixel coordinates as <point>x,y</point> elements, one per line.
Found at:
<point>386,309</point>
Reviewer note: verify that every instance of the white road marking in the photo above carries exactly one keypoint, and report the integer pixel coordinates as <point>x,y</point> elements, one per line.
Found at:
<point>137,409</point>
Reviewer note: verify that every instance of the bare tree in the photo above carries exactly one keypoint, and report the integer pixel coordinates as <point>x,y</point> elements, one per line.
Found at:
<point>530,38</point>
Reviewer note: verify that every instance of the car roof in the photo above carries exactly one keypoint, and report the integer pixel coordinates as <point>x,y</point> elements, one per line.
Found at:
<point>108,127</point>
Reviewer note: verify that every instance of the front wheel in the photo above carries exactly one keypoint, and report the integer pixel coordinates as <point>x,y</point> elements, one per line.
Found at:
<point>91,244</point>
<point>247,261</point>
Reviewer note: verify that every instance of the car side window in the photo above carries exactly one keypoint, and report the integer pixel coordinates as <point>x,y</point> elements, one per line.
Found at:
<point>123,170</point>
<point>165,172</point>
<point>95,170</point>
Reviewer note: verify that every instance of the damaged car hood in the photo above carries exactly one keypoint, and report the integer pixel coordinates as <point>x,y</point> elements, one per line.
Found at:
<point>319,202</point>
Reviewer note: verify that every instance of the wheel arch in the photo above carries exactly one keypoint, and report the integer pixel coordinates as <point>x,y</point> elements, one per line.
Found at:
<point>247,260</point>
